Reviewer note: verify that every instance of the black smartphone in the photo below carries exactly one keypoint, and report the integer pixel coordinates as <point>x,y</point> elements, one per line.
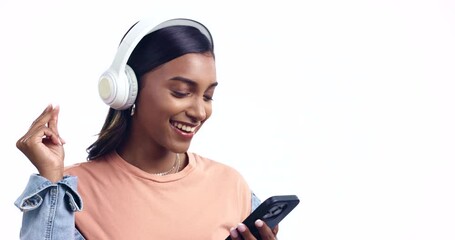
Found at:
<point>271,211</point>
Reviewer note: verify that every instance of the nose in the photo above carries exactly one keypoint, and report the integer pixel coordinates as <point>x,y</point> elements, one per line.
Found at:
<point>197,111</point>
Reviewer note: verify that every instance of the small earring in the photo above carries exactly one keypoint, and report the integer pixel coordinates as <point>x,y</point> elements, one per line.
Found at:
<point>133,108</point>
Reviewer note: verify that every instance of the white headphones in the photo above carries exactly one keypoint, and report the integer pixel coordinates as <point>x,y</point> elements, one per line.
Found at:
<point>118,86</point>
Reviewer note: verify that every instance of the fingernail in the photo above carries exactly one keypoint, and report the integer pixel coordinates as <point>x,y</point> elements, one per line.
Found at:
<point>234,233</point>
<point>259,223</point>
<point>241,227</point>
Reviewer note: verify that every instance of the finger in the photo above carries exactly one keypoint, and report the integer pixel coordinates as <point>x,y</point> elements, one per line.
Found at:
<point>53,136</point>
<point>245,232</point>
<point>37,136</point>
<point>264,230</point>
<point>48,107</point>
<point>53,122</point>
<point>234,234</point>
<point>275,230</point>
<point>43,119</point>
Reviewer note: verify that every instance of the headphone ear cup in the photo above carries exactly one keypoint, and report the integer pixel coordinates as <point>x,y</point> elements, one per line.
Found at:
<point>119,92</point>
<point>133,87</point>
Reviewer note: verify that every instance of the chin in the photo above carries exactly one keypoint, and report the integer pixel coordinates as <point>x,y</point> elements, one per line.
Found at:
<point>180,148</point>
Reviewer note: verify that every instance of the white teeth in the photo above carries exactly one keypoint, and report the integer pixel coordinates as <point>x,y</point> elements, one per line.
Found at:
<point>184,127</point>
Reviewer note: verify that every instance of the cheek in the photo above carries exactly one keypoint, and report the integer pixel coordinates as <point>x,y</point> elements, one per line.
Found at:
<point>208,111</point>
<point>150,110</point>
<point>152,100</point>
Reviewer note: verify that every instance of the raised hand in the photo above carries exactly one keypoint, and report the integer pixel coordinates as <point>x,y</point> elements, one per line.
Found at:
<point>43,145</point>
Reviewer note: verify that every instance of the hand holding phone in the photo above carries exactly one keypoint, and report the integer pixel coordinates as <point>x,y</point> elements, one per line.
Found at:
<point>271,211</point>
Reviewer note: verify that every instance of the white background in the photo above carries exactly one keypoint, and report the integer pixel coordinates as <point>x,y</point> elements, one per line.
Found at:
<point>348,104</point>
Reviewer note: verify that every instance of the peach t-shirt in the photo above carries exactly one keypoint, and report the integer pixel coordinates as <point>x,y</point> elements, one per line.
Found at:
<point>121,201</point>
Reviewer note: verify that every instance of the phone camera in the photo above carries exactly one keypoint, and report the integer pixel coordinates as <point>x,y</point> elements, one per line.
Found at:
<point>275,210</point>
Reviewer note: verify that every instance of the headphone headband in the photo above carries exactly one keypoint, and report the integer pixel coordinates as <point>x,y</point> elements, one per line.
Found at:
<point>113,90</point>
<point>143,28</point>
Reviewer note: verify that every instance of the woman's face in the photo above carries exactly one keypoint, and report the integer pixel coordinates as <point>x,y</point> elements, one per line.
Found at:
<point>174,101</point>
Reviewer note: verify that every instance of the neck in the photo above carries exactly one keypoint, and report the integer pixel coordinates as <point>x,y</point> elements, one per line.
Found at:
<point>147,159</point>
<point>141,151</point>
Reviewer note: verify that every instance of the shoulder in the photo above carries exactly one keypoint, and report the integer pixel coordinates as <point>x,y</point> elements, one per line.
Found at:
<point>88,167</point>
<point>210,166</point>
<point>207,162</point>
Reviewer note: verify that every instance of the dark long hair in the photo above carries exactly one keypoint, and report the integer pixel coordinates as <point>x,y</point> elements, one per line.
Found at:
<point>153,50</point>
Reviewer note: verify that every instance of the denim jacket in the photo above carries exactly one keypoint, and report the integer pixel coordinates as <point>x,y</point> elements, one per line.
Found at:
<point>48,209</point>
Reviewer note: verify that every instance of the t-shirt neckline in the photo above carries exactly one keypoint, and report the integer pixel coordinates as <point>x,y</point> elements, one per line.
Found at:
<point>125,166</point>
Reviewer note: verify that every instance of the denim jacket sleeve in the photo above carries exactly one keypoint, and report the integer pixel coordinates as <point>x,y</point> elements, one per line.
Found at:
<point>255,201</point>
<point>48,209</point>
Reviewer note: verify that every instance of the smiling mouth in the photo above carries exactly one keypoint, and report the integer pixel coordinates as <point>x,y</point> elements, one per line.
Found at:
<point>183,127</point>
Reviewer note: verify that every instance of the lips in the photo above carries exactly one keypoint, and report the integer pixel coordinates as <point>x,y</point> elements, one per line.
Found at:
<point>184,127</point>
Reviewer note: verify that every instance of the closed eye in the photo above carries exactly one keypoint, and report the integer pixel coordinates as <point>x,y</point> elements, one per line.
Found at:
<point>179,94</point>
<point>208,98</point>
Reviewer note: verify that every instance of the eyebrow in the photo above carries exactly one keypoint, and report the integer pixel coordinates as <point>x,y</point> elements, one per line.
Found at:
<point>191,82</point>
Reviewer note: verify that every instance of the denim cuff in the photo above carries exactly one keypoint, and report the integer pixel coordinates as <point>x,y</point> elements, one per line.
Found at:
<point>36,189</point>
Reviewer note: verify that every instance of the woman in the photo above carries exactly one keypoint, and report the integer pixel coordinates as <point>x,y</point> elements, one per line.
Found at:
<point>140,181</point>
